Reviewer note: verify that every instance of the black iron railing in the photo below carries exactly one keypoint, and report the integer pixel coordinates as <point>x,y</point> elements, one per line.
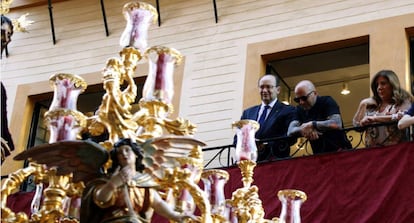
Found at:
<point>224,155</point>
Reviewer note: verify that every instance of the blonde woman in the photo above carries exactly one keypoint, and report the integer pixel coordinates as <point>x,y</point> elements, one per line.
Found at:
<point>388,104</point>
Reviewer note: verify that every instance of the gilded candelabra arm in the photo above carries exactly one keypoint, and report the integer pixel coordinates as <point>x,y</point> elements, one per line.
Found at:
<point>200,199</point>
<point>151,118</point>
<point>247,205</point>
<point>94,127</point>
<point>72,203</point>
<point>247,171</point>
<point>239,205</point>
<point>113,76</point>
<point>52,206</point>
<point>75,189</point>
<point>130,57</point>
<point>11,184</point>
<point>114,112</point>
<point>178,178</point>
<point>180,126</point>
<point>246,202</point>
<point>255,204</point>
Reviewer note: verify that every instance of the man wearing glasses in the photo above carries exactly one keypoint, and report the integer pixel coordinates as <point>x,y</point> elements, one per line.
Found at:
<point>274,118</point>
<point>318,119</point>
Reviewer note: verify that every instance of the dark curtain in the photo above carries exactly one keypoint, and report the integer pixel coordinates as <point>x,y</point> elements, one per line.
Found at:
<point>7,144</point>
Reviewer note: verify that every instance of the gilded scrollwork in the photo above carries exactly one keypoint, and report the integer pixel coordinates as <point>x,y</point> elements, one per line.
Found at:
<point>180,126</point>
<point>115,110</point>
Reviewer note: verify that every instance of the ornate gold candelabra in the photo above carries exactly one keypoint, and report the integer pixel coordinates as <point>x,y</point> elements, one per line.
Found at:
<point>214,181</point>
<point>291,200</point>
<point>169,140</point>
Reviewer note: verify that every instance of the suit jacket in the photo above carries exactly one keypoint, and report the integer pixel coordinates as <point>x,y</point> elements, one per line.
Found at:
<point>276,125</point>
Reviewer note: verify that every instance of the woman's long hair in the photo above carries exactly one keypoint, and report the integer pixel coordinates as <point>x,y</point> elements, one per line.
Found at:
<point>399,95</point>
<point>135,148</point>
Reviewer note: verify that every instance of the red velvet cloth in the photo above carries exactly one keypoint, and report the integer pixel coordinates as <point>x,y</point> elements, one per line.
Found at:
<point>366,185</point>
<point>20,202</point>
<point>362,186</point>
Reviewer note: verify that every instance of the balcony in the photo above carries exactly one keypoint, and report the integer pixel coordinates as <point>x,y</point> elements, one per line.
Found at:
<point>223,156</point>
<point>357,185</point>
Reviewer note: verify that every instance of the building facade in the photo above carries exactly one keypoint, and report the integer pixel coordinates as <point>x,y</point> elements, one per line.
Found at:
<point>222,60</point>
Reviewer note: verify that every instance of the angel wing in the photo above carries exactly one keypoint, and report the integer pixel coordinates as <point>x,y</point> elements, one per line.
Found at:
<point>162,152</point>
<point>83,158</point>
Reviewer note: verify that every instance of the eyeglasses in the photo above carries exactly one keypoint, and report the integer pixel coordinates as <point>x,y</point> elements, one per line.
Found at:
<point>266,87</point>
<point>303,98</point>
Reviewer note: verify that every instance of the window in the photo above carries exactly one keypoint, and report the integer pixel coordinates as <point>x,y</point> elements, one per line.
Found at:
<point>329,70</point>
<point>285,90</point>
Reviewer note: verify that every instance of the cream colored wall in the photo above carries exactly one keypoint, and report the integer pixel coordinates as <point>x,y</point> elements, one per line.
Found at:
<point>218,56</point>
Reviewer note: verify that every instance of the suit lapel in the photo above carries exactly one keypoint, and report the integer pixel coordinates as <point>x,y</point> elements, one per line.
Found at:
<point>273,113</point>
<point>256,112</point>
<point>255,115</point>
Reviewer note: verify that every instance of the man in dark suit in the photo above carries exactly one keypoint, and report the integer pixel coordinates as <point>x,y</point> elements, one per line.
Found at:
<point>274,118</point>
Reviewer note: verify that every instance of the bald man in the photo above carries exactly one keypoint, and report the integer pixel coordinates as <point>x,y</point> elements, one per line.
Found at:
<point>318,119</point>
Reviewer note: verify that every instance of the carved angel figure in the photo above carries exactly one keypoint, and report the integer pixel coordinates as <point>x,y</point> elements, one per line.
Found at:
<point>126,193</point>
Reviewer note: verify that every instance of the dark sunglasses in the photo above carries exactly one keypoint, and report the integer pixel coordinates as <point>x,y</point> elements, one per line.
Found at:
<point>303,98</point>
